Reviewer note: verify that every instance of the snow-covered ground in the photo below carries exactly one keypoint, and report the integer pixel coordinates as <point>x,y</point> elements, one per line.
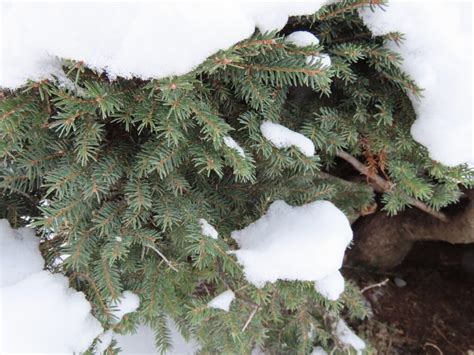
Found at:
<point>39,313</point>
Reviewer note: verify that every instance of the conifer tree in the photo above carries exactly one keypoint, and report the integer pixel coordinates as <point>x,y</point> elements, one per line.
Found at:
<point>118,174</point>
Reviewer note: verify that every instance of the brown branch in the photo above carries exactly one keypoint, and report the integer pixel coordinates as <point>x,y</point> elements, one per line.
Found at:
<point>385,185</point>
<point>379,284</point>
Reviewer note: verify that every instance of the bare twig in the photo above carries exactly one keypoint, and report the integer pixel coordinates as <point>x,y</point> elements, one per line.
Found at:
<point>444,336</point>
<point>385,185</point>
<point>434,346</point>
<point>163,257</point>
<point>250,318</point>
<point>380,284</point>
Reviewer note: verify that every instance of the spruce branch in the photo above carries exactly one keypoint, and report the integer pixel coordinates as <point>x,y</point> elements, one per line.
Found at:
<point>385,185</point>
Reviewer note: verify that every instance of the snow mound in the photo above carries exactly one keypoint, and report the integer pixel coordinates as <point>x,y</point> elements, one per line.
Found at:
<point>439,58</point>
<point>127,303</point>
<point>19,254</point>
<point>222,301</point>
<point>331,286</point>
<point>143,341</point>
<point>304,243</point>
<point>39,312</point>
<point>42,314</point>
<point>282,137</point>
<point>145,39</point>
<point>348,337</point>
<point>207,229</point>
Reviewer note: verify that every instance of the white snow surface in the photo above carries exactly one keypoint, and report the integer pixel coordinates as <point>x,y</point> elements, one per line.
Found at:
<point>283,137</point>
<point>324,58</point>
<point>348,337</point>
<point>318,351</point>
<point>104,341</point>
<point>331,286</point>
<point>127,303</point>
<point>304,39</point>
<point>143,39</point>
<point>305,243</point>
<point>222,301</point>
<point>143,341</point>
<point>231,143</point>
<point>207,229</point>
<point>39,313</point>
<point>19,254</point>
<point>437,54</point>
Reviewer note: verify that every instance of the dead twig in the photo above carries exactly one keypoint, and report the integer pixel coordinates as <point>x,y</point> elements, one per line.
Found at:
<point>434,346</point>
<point>250,318</point>
<point>385,185</point>
<point>163,257</point>
<point>380,284</point>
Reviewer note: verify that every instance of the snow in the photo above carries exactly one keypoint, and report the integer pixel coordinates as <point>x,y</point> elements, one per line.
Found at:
<point>318,351</point>
<point>439,58</point>
<point>231,143</point>
<point>19,254</point>
<point>304,39</point>
<point>222,301</point>
<point>127,303</point>
<point>104,341</point>
<point>39,312</point>
<point>282,137</point>
<point>325,60</point>
<point>348,337</point>
<point>304,243</point>
<point>143,341</point>
<point>143,39</point>
<point>207,229</point>
<point>331,286</point>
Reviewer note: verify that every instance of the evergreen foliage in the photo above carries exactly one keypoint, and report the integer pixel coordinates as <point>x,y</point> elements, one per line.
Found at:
<point>118,174</point>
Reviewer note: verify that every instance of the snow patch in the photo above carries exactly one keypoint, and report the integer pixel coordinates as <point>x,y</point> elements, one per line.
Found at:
<point>104,341</point>
<point>305,39</point>
<point>19,254</point>
<point>143,39</point>
<point>302,39</point>
<point>207,229</point>
<point>348,337</point>
<point>143,341</point>
<point>439,59</point>
<point>304,243</point>
<point>127,303</point>
<point>39,312</point>
<point>282,137</point>
<point>331,286</point>
<point>222,301</point>
<point>318,351</point>
<point>231,143</point>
